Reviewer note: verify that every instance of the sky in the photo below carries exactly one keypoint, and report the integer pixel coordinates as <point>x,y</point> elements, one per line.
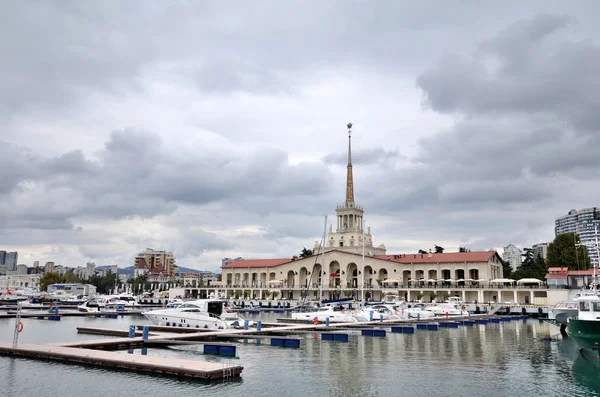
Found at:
<point>217,129</point>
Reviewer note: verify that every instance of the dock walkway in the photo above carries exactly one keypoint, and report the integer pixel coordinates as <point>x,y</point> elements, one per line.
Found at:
<point>170,366</point>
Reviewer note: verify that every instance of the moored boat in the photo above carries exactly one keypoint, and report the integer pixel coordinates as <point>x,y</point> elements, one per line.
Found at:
<point>585,328</point>
<point>202,313</point>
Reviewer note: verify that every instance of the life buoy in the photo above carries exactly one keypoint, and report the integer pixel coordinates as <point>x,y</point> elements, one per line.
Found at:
<point>21,326</point>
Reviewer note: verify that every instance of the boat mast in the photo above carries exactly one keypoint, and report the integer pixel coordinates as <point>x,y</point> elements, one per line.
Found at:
<point>362,282</point>
<point>598,256</point>
<point>323,266</point>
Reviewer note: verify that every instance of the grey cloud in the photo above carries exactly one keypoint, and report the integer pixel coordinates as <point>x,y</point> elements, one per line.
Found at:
<point>365,156</point>
<point>529,68</point>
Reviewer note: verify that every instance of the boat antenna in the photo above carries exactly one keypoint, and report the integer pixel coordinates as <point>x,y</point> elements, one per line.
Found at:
<point>323,241</point>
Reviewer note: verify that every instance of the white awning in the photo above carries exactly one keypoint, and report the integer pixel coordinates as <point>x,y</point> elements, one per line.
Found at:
<point>502,280</point>
<point>431,281</point>
<point>276,282</point>
<point>529,281</point>
<point>391,281</point>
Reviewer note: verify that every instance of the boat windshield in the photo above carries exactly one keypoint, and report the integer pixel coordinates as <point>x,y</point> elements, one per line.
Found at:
<point>189,305</point>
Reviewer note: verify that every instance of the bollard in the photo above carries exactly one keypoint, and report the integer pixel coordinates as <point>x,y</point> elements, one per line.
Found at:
<point>418,316</point>
<point>246,325</point>
<point>258,325</point>
<point>408,314</point>
<point>132,331</point>
<point>371,315</point>
<point>327,321</point>
<point>145,332</point>
<point>144,351</point>
<point>380,318</point>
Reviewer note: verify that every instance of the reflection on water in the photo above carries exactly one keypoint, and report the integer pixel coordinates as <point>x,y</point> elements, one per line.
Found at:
<point>506,359</point>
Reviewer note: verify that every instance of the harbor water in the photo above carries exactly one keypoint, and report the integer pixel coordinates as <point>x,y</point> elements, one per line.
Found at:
<point>516,358</point>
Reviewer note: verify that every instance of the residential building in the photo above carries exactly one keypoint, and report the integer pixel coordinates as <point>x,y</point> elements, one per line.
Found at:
<point>2,257</point>
<point>582,222</point>
<point>60,270</point>
<point>36,263</point>
<point>15,282</point>
<point>562,277</point>
<point>155,262</point>
<point>226,261</point>
<point>110,269</point>
<point>540,249</point>
<point>49,267</point>
<point>81,272</point>
<point>10,260</point>
<point>90,269</point>
<point>512,255</point>
<point>21,269</point>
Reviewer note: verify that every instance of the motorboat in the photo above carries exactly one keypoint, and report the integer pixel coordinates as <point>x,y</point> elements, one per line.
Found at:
<point>121,300</point>
<point>93,305</point>
<point>174,303</point>
<point>202,313</point>
<point>335,313</point>
<point>447,309</point>
<point>562,311</point>
<point>12,298</point>
<point>377,312</point>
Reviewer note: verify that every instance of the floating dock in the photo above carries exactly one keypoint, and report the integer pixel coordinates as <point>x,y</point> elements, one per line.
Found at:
<point>100,358</point>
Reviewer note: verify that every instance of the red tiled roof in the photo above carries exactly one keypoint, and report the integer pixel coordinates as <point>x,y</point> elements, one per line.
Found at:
<point>557,269</point>
<point>447,257</point>
<point>191,275</point>
<point>141,264</point>
<point>563,276</point>
<point>246,263</point>
<point>589,272</point>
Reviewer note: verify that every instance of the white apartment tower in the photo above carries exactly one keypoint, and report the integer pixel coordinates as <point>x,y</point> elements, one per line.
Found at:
<point>581,222</point>
<point>512,255</point>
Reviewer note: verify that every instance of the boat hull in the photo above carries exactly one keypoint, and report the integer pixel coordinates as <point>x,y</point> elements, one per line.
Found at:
<point>586,333</point>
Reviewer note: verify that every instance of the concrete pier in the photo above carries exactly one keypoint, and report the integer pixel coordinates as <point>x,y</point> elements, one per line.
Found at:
<point>161,365</point>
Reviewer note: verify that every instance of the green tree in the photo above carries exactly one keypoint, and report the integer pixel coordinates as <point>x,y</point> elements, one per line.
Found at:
<point>464,249</point>
<point>439,250</point>
<point>562,252</point>
<point>50,278</point>
<point>71,277</point>
<point>532,267</point>
<point>506,268</point>
<point>306,253</point>
<point>422,252</point>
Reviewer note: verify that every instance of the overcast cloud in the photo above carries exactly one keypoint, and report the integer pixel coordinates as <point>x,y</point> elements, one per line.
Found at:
<point>218,129</point>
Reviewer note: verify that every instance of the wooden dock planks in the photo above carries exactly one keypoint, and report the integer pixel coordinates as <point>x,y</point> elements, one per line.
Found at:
<point>170,366</point>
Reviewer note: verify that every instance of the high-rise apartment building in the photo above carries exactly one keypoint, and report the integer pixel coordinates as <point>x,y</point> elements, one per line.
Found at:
<point>583,223</point>
<point>512,255</point>
<point>49,267</point>
<point>540,249</point>
<point>2,257</point>
<point>10,260</point>
<point>155,262</point>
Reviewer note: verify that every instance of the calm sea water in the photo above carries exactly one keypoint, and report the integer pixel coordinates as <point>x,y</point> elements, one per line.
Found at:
<point>507,359</point>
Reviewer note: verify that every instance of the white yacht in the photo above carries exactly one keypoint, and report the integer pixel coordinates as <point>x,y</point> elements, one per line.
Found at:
<point>336,314</point>
<point>446,308</point>
<point>121,300</point>
<point>377,312</point>
<point>202,313</point>
<point>94,304</point>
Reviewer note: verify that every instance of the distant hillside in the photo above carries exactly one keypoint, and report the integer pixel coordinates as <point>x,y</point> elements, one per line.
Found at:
<point>130,270</point>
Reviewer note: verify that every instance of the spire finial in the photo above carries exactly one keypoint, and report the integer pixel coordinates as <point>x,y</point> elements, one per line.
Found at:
<point>349,178</point>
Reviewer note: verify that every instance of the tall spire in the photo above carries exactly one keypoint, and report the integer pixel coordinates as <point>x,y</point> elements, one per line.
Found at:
<point>349,179</point>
